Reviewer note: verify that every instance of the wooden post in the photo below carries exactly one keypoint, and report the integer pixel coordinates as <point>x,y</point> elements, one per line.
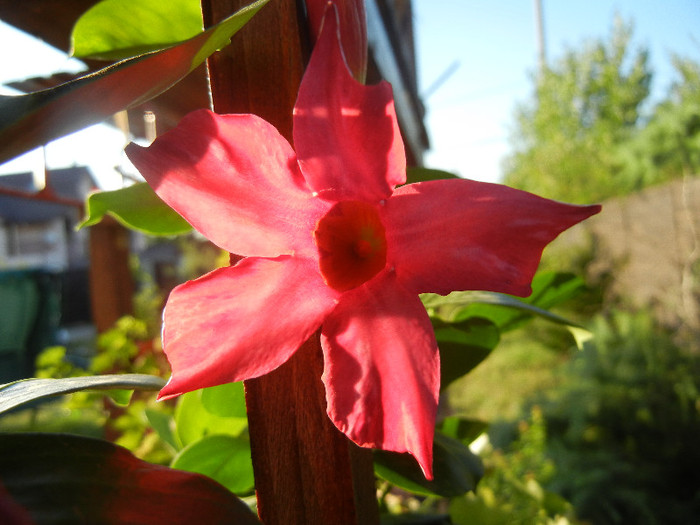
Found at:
<point>111,283</point>
<point>307,472</point>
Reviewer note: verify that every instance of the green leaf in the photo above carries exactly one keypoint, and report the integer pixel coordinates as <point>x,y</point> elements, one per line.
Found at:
<point>226,400</point>
<point>551,288</point>
<point>136,207</point>
<point>193,421</point>
<point>117,29</point>
<point>456,469</point>
<point>465,430</point>
<point>60,478</point>
<point>463,346</point>
<point>26,390</point>
<point>119,396</point>
<point>225,459</point>
<point>506,311</point>
<point>581,336</point>
<point>416,174</point>
<point>28,121</point>
<point>162,423</point>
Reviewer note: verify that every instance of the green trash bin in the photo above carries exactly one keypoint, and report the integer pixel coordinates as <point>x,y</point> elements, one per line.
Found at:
<point>20,300</point>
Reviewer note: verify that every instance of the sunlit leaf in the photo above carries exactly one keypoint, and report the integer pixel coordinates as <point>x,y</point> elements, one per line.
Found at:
<point>118,29</point>
<point>506,311</point>
<point>28,121</point>
<point>456,469</point>
<point>418,174</point>
<point>226,400</point>
<point>137,207</point>
<point>463,346</point>
<point>60,478</point>
<point>580,335</point>
<point>193,420</point>
<point>225,459</point>
<point>26,390</point>
<point>162,423</point>
<point>119,396</point>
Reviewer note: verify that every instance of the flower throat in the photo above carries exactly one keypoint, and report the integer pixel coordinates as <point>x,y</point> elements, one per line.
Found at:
<point>351,242</point>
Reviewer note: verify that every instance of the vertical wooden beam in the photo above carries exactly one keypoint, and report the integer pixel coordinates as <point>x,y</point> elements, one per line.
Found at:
<point>111,283</point>
<point>306,471</point>
<point>260,71</point>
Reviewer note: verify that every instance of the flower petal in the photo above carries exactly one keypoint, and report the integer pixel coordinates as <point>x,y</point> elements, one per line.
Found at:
<point>235,179</point>
<point>452,235</point>
<point>382,369</point>
<point>241,322</point>
<point>346,134</point>
<point>353,31</point>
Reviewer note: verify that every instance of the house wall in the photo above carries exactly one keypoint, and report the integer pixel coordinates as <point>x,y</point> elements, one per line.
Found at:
<point>42,245</point>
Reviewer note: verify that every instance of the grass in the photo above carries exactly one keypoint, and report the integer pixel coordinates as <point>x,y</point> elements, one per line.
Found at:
<point>519,367</point>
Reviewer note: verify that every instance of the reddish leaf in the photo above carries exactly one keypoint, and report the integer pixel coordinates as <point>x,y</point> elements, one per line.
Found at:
<point>72,479</point>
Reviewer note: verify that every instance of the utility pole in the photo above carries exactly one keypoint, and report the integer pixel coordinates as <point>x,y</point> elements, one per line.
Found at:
<point>539,26</point>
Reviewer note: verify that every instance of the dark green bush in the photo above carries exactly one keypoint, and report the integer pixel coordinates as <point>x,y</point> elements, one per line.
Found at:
<point>624,428</point>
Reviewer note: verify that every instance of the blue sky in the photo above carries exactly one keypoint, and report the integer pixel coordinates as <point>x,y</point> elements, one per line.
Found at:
<point>470,116</point>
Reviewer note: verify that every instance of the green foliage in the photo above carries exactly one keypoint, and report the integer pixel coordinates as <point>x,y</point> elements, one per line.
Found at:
<point>582,137</point>
<point>207,433</point>
<point>466,339</point>
<point>623,427</point>
<point>136,207</point>
<point>463,346</point>
<point>456,469</point>
<point>127,357</point>
<point>507,312</point>
<point>52,363</point>
<point>512,491</point>
<point>118,29</point>
<point>669,144</point>
<point>210,411</point>
<point>223,458</point>
<point>585,106</point>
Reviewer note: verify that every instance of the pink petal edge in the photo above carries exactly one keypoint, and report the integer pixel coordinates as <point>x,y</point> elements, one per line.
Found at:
<point>235,179</point>
<point>382,369</point>
<point>450,235</point>
<point>242,321</point>
<point>346,135</point>
<point>353,30</point>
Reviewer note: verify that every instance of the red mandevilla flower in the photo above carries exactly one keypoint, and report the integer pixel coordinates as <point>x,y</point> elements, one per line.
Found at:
<point>331,243</point>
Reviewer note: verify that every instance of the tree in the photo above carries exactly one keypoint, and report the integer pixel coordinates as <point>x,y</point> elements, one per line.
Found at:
<point>585,106</point>
<point>669,145</point>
